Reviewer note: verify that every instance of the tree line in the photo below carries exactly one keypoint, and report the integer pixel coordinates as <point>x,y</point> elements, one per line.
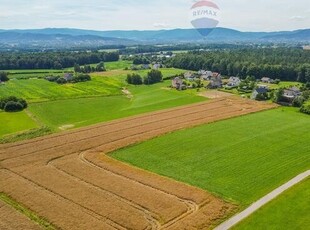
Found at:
<point>286,64</point>
<point>53,60</point>
<point>154,76</point>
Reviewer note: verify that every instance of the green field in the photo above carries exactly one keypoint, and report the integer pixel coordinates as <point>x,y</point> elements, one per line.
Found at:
<point>101,99</point>
<point>15,122</point>
<point>34,90</point>
<point>86,111</point>
<point>240,159</point>
<point>289,211</point>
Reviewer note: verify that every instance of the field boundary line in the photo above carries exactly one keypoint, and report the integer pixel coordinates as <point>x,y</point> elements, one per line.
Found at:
<point>129,128</point>
<point>263,201</point>
<point>108,123</point>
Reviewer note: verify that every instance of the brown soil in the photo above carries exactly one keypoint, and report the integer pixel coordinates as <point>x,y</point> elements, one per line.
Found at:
<point>70,180</point>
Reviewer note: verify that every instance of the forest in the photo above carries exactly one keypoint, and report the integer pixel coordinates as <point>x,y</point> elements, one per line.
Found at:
<point>53,60</point>
<point>286,64</point>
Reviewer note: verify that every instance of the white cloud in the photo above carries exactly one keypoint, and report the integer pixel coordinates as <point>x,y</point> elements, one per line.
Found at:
<point>258,15</point>
<point>298,18</point>
<point>162,25</point>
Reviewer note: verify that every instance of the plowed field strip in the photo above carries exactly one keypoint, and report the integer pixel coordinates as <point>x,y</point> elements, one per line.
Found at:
<point>153,219</point>
<point>11,219</point>
<point>68,201</point>
<point>160,123</point>
<point>106,130</point>
<point>57,209</point>
<point>49,141</point>
<point>191,206</point>
<point>92,128</point>
<point>153,201</point>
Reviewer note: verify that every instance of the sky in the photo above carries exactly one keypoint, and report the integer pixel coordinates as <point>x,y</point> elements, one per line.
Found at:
<point>244,15</point>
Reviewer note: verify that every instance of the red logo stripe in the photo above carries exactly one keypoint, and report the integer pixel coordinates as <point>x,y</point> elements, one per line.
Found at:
<point>204,3</point>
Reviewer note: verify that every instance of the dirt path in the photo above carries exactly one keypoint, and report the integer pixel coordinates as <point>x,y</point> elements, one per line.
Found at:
<point>263,201</point>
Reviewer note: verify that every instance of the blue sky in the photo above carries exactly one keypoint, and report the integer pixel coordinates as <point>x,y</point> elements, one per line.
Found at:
<point>245,15</point>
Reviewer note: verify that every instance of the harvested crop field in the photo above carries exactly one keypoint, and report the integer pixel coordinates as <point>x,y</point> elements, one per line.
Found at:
<point>8,214</point>
<point>70,180</point>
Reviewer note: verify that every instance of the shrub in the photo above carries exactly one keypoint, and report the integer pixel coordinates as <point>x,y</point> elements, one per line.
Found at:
<point>305,108</point>
<point>13,106</point>
<point>134,79</point>
<point>154,76</point>
<point>3,76</point>
<point>61,81</point>
<point>298,101</point>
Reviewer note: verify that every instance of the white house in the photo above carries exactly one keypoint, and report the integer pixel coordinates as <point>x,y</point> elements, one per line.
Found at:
<point>215,81</point>
<point>205,75</point>
<point>177,83</point>
<point>233,82</point>
<point>291,93</point>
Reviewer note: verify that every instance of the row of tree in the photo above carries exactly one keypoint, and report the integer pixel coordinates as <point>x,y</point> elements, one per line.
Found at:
<point>89,69</point>
<point>53,60</point>
<point>287,64</point>
<point>154,76</point>
<point>74,79</point>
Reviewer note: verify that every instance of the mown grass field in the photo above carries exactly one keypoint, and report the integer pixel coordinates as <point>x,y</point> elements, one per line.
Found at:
<point>86,111</point>
<point>34,90</point>
<point>289,211</point>
<point>240,159</point>
<point>15,122</point>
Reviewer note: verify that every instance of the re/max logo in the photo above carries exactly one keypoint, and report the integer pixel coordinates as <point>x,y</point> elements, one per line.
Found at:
<point>205,13</point>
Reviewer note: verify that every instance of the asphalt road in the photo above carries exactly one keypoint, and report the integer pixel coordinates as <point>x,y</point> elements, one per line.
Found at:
<point>261,202</point>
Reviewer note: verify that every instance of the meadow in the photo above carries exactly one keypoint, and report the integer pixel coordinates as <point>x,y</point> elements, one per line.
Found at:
<point>239,159</point>
<point>289,211</point>
<point>15,122</point>
<point>85,111</point>
<point>34,90</point>
<point>61,107</point>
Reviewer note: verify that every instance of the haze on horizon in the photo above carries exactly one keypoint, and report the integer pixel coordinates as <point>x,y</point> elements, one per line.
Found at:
<point>257,15</point>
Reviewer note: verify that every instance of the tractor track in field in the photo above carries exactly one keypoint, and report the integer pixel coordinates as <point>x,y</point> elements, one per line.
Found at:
<point>56,195</point>
<point>191,205</point>
<point>74,168</point>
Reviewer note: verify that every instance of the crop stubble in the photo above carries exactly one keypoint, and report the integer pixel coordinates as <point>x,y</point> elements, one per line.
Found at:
<point>70,180</point>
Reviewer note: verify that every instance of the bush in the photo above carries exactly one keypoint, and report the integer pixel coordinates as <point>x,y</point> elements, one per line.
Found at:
<point>3,76</point>
<point>154,76</point>
<point>61,81</point>
<point>305,108</point>
<point>298,101</point>
<point>13,106</point>
<point>134,79</point>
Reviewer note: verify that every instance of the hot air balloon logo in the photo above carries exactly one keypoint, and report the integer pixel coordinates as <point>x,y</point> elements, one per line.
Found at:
<point>204,16</point>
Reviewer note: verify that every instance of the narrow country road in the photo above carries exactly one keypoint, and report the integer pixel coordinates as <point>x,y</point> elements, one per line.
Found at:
<point>263,201</point>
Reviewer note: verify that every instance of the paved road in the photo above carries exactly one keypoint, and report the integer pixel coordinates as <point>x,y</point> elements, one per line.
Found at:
<point>258,204</point>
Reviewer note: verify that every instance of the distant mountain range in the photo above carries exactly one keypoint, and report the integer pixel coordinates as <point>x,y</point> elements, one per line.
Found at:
<point>64,37</point>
